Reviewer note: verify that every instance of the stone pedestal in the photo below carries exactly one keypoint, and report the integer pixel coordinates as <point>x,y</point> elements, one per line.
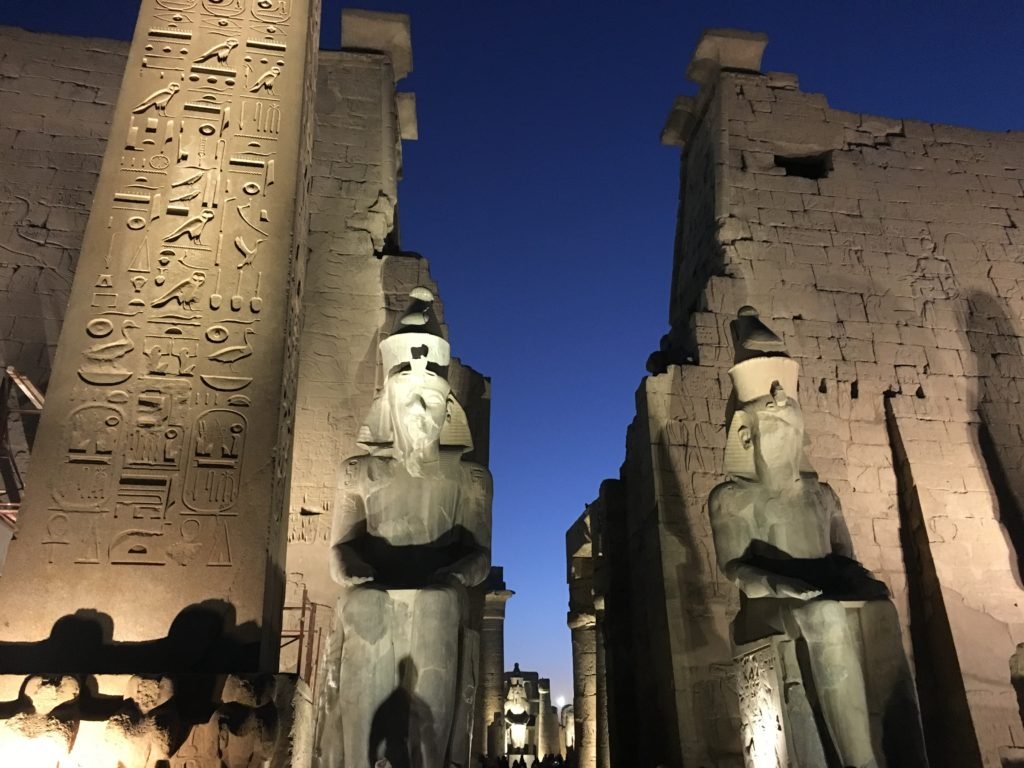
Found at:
<point>155,512</point>
<point>775,715</point>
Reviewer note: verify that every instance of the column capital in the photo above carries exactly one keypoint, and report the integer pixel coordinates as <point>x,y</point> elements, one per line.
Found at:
<point>581,620</point>
<point>498,595</point>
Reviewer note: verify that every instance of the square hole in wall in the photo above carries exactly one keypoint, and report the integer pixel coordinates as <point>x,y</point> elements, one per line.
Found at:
<point>817,166</point>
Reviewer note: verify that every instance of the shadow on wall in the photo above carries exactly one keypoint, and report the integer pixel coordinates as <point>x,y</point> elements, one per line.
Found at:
<point>944,711</point>
<point>994,341</point>
<point>703,609</point>
<point>202,638</point>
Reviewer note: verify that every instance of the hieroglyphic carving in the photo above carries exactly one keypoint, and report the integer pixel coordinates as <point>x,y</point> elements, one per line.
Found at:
<point>761,716</point>
<point>157,472</point>
<point>167,325</point>
<point>215,461</point>
<point>273,11</point>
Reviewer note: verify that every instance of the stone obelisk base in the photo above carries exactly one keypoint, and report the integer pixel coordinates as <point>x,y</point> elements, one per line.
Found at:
<point>190,720</point>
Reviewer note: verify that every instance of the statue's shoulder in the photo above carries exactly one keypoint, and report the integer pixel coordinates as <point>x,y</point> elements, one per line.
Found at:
<point>356,470</point>
<point>726,497</point>
<point>813,485</point>
<point>476,474</point>
<point>826,493</point>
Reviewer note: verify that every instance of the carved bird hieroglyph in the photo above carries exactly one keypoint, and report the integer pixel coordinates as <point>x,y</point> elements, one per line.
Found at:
<point>221,51</point>
<point>184,292</point>
<point>158,99</point>
<point>112,350</point>
<point>193,228</point>
<point>248,254</point>
<point>234,354</point>
<point>266,80</point>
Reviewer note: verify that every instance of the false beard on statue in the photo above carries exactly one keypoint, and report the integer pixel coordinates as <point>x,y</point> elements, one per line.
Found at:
<point>417,436</point>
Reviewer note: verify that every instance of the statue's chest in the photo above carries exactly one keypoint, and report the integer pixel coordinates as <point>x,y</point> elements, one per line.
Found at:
<point>412,510</point>
<point>797,525</point>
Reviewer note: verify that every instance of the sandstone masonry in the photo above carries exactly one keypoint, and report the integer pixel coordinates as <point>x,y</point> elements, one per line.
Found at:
<point>889,254</point>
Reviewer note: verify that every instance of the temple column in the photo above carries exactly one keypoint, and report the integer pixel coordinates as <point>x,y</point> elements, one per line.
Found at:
<point>585,681</point>
<point>601,703</point>
<point>489,730</point>
<point>544,717</point>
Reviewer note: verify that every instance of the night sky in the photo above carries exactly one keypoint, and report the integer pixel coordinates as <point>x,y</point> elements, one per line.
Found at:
<point>540,194</point>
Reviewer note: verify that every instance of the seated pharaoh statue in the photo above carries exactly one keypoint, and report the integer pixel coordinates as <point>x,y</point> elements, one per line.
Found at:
<point>780,536</point>
<point>412,530</point>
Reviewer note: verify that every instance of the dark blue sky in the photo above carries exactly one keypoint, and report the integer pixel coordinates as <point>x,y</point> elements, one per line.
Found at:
<point>540,194</point>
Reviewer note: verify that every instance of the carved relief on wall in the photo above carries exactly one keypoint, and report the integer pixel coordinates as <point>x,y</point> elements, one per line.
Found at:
<point>762,728</point>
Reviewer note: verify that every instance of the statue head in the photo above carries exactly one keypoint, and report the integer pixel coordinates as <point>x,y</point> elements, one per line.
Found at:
<point>773,431</point>
<point>416,415</point>
<point>766,433</point>
<point>516,700</point>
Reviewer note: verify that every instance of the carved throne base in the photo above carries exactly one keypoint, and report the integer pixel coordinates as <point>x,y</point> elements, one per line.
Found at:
<point>779,725</point>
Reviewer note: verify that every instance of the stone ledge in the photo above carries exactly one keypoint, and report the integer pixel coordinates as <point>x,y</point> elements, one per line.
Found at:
<point>680,122</point>
<point>386,33</point>
<point>725,49</point>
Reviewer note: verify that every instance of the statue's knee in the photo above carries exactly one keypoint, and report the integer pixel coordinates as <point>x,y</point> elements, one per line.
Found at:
<point>439,612</point>
<point>366,613</point>
<point>441,601</point>
<point>823,620</point>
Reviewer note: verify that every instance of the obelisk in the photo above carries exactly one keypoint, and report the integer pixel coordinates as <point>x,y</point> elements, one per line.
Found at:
<point>156,506</point>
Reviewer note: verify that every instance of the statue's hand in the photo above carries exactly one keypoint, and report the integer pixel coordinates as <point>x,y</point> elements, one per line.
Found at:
<point>450,576</point>
<point>353,574</point>
<point>348,567</point>
<point>786,586</point>
<point>355,581</point>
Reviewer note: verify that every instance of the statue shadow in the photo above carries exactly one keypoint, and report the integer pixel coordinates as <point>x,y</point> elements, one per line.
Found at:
<point>403,726</point>
<point>202,638</point>
<point>1001,430</point>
